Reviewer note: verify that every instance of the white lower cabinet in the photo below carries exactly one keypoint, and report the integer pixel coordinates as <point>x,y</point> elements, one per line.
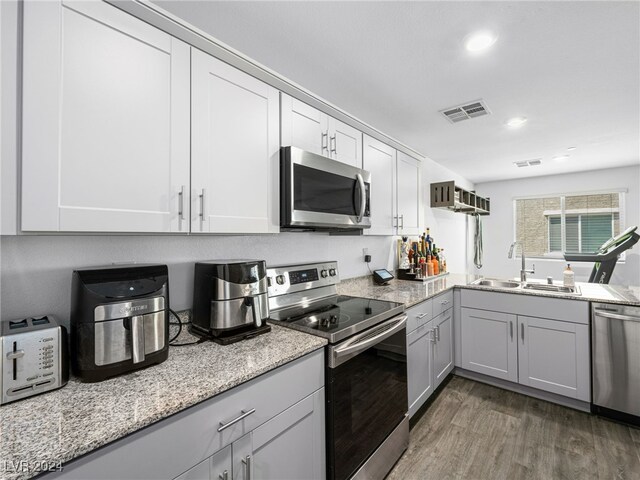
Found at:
<point>271,427</point>
<point>550,354</point>
<point>489,345</point>
<point>217,467</point>
<point>419,366</point>
<point>443,346</point>
<point>554,356</point>
<point>287,446</point>
<point>429,351</point>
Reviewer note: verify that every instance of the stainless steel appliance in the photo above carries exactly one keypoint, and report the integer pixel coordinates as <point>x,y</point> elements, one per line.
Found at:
<point>366,374</point>
<point>319,193</point>
<point>34,357</point>
<point>615,337</point>
<point>230,299</point>
<point>119,319</point>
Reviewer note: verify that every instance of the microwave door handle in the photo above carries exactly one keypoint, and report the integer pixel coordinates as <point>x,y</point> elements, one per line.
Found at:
<point>363,197</point>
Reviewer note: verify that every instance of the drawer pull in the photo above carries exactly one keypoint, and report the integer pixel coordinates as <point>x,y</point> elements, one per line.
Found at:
<point>421,315</point>
<point>445,302</point>
<point>224,475</point>
<point>245,414</point>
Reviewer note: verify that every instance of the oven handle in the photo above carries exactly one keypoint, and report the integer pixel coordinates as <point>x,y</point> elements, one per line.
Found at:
<point>365,340</point>
<point>363,197</point>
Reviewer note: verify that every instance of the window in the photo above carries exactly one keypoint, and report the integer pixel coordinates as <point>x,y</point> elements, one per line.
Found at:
<point>581,223</point>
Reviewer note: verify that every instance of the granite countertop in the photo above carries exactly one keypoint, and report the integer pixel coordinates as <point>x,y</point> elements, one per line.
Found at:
<point>61,425</point>
<point>403,291</point>
<point>411,292</point>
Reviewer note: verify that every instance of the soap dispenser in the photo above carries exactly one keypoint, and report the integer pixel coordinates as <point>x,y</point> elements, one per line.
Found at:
<point>569,277</point>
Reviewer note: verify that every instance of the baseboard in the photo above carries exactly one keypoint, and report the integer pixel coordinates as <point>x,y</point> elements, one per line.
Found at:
<point>530,392</point>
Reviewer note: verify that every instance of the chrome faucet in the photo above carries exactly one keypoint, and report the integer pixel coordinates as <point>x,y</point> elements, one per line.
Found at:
<point>523,270</point>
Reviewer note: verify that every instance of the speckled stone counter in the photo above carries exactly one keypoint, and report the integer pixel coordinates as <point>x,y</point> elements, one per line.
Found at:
<point>411,293</point>
<point>403,291</point>
<point>64,424</point>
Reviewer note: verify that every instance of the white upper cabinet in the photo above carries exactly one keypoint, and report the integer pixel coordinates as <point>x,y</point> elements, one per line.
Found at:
<point>235,150</point>
<point>105,143</point>
<point>345,143</point>
<point>409,208</point>
<point>310,129</point>
<point>380,160</point>
<point>304,126</point>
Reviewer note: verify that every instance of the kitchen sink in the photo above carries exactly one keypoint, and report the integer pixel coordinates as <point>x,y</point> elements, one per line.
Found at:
<point>488,282</point>
<point>552,288</point>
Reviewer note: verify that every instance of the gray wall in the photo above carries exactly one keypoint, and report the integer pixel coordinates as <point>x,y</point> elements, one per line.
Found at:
<point>499,231</point>
<point>36,270</point>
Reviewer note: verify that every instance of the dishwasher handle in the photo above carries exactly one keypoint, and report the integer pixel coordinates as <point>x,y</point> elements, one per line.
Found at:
<point>616,316</point>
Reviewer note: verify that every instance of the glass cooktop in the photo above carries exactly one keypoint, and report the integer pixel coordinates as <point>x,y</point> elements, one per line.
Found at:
<point>336,317</point>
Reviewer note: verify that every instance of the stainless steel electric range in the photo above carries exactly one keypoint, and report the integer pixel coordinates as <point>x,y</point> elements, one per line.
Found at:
<point>366,366</point>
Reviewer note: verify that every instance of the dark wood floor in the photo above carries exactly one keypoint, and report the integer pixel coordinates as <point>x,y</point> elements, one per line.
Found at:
<point>476,431</point>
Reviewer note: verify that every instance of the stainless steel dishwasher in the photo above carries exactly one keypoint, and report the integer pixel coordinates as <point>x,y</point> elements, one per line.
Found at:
<point>616,361</point>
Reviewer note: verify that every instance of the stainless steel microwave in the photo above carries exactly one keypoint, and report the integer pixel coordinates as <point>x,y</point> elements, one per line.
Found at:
<point>319,193</point>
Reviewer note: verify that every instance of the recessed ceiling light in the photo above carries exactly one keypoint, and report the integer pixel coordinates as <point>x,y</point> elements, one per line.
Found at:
<point>479,41</point>
<point>561,158</point>
<point>516,122</point>
<point>571,149</point>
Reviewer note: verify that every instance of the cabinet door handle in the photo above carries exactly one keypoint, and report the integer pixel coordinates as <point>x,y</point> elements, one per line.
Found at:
<point>421,315</point>
<point>522,331</point>
<point>247,467</point>
<point>402,220</point>
<point>224,475</point>
<point>511,328</point>
<point>438,333</point>
<point>332,141</point>
<point>181,203</point>
<point>201,214</point>
<point>245,414</point>
<point>433,335</point>
<point>323,141</point>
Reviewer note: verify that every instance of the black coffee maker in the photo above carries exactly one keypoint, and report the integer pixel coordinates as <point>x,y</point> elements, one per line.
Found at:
<point>119,319</point>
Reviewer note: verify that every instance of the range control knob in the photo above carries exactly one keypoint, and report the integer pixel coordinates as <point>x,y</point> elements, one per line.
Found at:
<point>332,272</point>
<point>280,279</point>
<point>324,274</point>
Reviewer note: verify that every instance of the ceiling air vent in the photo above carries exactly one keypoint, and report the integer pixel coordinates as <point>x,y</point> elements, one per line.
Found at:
<point>466,111</point>
<point>528,163</point>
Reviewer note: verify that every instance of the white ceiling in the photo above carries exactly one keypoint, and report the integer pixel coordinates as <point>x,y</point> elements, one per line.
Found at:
<point>572,68</point>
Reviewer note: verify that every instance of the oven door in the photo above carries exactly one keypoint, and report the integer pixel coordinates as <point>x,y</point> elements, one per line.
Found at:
<point>366,394</point>
<point>318,192</point>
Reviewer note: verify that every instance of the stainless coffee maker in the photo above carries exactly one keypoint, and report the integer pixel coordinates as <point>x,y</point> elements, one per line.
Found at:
<point>230,300</point>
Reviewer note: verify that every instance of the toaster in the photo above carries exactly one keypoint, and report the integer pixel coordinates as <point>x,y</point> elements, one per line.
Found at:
<point>34,357</point>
